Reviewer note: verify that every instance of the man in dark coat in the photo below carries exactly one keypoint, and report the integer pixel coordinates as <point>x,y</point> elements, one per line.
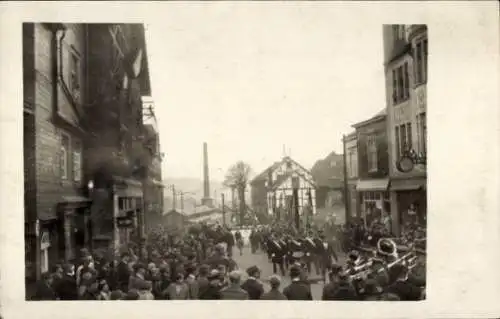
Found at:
<point>274,293</point>
<point>252,285</point>
<point>234,291</point>
<point>44,289</point>
<point>212,291</point>
<point>297,290</point>
<point>402,287</point>
<point>123,272</point>
<point>278,251</point>
<point>324,252</point>
<point>66,288</point>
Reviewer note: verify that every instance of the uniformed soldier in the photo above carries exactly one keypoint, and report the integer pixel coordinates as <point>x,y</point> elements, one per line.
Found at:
<point>278,251</point>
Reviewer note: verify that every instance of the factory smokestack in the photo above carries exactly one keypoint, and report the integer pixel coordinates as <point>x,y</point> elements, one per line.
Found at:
<point>206,200</point>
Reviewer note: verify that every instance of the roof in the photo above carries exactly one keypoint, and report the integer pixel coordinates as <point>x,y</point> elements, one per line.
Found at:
<point>263,175</point>
<point>284,177</point>
<point>379,116</point>
<point>173,211</point>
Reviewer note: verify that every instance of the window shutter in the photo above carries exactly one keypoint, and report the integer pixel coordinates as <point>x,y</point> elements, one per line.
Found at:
<point>406,81</point>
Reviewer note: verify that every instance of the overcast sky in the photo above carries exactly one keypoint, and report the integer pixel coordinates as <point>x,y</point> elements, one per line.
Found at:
<point>248,80</point>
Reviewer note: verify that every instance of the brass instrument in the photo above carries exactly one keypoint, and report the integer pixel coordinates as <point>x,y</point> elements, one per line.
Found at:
<point>385,247</point>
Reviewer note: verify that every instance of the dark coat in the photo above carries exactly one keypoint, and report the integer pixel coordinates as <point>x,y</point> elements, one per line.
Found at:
<point>122,276</point>
<point>234,292</point>
<point>66,288</point>
<point>254,289</point>
<point>278,251</point>
<point>405,290</point>
<point>273,294</point>
<point>212,292</point>
<point>343,291</point>
<point>44,292</point>
<point>297,291</point>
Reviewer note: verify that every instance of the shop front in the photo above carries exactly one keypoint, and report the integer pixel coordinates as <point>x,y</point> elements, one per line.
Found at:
<point>409,200</point>
<point>374,196</point>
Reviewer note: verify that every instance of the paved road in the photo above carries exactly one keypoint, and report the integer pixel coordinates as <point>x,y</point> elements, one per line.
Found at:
<point>260,260</point>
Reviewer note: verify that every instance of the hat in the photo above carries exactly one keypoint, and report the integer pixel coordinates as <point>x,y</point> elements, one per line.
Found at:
<point>252,270</point>
<point>214,273</point>
<point>294,271</point>
<point>139,266</point>
<point>274,280</point>
<point>132,294</point>
<point>235,275</point>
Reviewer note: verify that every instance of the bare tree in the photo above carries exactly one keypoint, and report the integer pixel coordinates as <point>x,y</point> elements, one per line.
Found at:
<point>237,178</point>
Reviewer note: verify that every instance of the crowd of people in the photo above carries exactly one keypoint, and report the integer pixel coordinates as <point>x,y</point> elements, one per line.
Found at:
<point>199,264</point>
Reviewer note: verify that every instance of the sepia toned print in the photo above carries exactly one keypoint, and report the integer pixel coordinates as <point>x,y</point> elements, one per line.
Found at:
<point>104,221</point>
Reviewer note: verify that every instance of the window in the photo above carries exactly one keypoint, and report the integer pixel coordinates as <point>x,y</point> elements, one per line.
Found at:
<point>422,132</point>
<point>353,162</point>
<point>74,80</point>
<point>400,84</point>
<point>403,138</point>
<point>398,32</point>
<point>77,162</point>
<point>421,62</point>
<point>371,146</point>
<point>65,151</point>
<point>370,200</point>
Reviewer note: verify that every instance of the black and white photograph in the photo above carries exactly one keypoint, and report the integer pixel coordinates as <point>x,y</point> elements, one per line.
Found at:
<point>107,217</point>
<point>255,151</point>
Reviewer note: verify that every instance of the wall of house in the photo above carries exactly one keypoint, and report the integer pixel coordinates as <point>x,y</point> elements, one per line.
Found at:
<point>403,112</point>
<point>378,129</point>
<point>286,189</point>
<point>50,185</point>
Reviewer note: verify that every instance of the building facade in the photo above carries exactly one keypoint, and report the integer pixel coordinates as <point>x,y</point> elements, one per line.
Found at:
<point>373,168</point>
<point>84,146</point>
<point>281,180</point>
<point>405,60</point>
<point>57,206</point>
<point>350,142</point>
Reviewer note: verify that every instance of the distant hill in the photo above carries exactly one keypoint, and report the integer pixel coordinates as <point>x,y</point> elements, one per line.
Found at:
<point>329,171</point>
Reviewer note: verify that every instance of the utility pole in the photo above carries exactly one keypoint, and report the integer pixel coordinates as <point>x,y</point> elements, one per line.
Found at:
<point>174,202</point>
<point>182,202</point>
<point>223,210</point>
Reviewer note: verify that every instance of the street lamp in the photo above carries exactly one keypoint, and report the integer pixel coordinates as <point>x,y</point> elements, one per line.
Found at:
<point>90,186</point>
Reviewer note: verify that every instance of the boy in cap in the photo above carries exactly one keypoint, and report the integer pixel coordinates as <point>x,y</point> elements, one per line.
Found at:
<point>234,291</point>
<point>297,290</point>
<point>252,285</point>
<point>274,293</point>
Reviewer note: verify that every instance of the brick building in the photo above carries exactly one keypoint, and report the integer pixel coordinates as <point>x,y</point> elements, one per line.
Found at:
<point>85,149</point>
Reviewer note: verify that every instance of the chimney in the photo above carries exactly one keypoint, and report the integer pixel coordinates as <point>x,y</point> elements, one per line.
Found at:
<point>206,200</point>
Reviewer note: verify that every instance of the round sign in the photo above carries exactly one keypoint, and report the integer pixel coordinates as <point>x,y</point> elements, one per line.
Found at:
<point>405,164</point>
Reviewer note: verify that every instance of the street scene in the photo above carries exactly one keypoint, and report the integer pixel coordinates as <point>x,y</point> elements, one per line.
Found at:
<point>214,171</point>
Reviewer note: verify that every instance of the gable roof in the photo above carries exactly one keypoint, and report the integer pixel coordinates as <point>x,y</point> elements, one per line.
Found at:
<point>263,175</point>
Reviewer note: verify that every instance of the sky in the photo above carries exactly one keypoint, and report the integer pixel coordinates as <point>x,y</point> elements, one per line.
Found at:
<point>248,81</point>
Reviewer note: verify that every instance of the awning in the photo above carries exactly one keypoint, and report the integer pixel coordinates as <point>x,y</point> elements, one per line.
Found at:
<point>408,184</point>
<point>74,199</point>
<point>372,185</point>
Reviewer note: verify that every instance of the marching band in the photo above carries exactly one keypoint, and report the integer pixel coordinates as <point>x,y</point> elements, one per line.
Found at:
<point>384,261</point>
